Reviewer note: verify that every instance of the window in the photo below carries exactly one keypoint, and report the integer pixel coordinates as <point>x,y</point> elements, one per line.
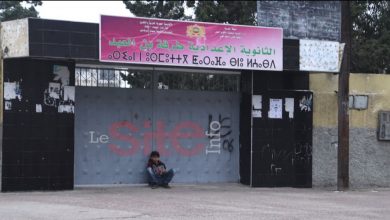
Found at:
<point>115,78</point>
<point>138,78</point>
<point>198,81</point>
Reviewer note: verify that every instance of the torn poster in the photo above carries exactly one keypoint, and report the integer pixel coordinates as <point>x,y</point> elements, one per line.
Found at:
<point>38,108</point>
<point>66,108</point>
<point>61,74</point>
<point>256,106</point>
<point>289,107</point>
<point>54,90</point>
<point>67,103</point>
<point>275,108</point>
<point>8,105</point>
<point>12,91</point>
<point>69,93</point>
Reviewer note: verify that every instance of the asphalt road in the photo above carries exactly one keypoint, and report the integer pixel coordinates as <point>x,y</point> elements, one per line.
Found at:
<point>206,201</point>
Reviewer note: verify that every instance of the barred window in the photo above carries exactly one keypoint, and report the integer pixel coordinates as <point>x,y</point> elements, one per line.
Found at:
<point>175,80</point>
<point>198,81</point>
<point>116,78</point>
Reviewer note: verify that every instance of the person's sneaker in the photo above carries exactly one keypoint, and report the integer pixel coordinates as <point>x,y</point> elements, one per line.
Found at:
<point>166,186</point>
<point>154,186</point>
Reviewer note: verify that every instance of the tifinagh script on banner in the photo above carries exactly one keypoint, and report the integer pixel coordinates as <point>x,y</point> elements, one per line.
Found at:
<point>192,44</point>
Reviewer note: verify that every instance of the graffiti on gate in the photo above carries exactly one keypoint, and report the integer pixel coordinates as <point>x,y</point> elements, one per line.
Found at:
<point>142,138</point>
<point>218,132</point>
<point>137,136</point>
<point>306,103</point>
<point>280,159</point>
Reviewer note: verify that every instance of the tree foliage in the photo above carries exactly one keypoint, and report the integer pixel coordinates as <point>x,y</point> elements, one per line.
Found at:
<point>232,12</point>
<point>370,36</point>
<point>157,9</point>
<point>11,10</point>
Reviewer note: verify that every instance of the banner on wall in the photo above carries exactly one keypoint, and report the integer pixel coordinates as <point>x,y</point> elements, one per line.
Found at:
<point>319,56</point>
<point>190,44</point>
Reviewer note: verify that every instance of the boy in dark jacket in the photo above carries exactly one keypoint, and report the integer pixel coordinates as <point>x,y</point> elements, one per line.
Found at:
<point>157,172</point>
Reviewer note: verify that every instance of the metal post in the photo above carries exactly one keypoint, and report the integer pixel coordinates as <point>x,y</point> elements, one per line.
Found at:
<point>1,79</point>
<point>251,168</point>
<point>343,115</point>
<point>1,103</point>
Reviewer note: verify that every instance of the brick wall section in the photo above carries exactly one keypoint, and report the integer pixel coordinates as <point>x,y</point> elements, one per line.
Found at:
<point>302,19</point>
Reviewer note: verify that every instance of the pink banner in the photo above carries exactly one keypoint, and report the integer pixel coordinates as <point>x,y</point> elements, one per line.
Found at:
<point>192,44</point>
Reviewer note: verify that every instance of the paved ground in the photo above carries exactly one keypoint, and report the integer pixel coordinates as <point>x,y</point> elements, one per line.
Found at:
<point>226,201</point>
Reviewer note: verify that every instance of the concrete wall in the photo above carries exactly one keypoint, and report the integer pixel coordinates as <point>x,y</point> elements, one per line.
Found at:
<point>369,158</point>
<point>1,153</point>
<point>302,19</point>
<point>14,38</point>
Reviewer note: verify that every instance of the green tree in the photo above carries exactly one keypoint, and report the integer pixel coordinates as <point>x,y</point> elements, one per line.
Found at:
<point>370,36</point>
<point>157,9</point>
<point>231,12</point>
<point>11,10</point>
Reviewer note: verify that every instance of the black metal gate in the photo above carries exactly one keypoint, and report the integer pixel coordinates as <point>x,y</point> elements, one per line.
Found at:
<point>282,139</point>
<point>275,130</point>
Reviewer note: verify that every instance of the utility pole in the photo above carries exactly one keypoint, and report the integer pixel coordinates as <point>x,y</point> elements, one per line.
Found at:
<point>1,101</point>
<point>343,101</point>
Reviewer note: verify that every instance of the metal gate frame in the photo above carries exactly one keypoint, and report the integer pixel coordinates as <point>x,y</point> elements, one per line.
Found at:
<point>155,109</point>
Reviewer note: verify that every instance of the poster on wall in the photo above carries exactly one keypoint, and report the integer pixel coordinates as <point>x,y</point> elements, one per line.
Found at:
<point>289,107</point>
<point>54,90</point>
<point>256,106</point>
<point>38,108</point>
<point>12,91</point>
<point>191,44</point>
<point>319,56</point>
<point>67,104</point>
<point>275,108</point>
<point>59,94</point>
<point>8,105</point>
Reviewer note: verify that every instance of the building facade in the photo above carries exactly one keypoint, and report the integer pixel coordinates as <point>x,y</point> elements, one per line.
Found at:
<point>70,119</point>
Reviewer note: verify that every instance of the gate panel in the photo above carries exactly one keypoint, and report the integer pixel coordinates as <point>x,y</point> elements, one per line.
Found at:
<point>110,126</point>
<point>211,156</point>
<point>282,144</point>
<point>115,130</point>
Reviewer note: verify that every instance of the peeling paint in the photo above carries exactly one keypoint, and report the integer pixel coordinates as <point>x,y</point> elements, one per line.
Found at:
<point>14,38</point>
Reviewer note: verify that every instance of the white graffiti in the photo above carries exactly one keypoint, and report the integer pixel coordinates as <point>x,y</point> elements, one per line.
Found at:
<point>214,135</point>
<point>306,103</point>
<point>98,139</point>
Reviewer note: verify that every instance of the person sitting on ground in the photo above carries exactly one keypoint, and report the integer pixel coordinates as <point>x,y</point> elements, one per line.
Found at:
<point>157,172</point>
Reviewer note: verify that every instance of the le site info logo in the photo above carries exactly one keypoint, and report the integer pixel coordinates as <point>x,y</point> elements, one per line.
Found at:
<point>124,138</point>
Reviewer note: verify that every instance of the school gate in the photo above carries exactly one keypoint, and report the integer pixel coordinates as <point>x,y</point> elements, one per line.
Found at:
<point>71,119</point>
<point>196,133</point>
